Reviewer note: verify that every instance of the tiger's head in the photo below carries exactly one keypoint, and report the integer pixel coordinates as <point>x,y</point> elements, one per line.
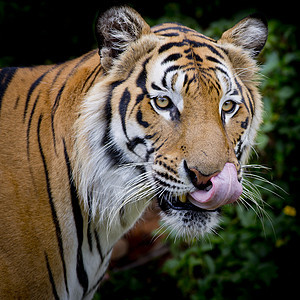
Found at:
<point>176,112</point>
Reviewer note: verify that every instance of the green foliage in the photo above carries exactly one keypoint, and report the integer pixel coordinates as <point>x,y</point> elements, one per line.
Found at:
<point>226,265</point>
<point>281,92</point>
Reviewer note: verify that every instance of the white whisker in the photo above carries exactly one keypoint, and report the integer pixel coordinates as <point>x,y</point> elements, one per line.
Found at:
<point>251,197</point>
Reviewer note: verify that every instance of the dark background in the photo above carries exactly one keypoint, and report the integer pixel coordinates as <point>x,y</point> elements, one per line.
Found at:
<point>36,32</point>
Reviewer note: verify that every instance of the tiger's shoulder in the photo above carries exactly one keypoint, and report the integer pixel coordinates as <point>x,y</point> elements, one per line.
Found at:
<point>19,84</point>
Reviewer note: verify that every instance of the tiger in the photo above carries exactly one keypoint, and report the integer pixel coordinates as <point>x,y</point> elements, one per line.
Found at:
<point>159,114</point>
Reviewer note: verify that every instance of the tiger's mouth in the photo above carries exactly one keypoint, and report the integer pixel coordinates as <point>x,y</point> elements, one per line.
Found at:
<point>169,201</point>
<point>222,189</point>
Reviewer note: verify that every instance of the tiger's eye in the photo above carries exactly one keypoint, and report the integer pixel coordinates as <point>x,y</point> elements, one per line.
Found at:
<point>163,102</point>
<point>228,106</point>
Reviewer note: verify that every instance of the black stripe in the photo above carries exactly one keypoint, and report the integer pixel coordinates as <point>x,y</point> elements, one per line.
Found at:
<point>96,284</point>
<point>239,150</point>
<point>170,34</point>
<point>176,27</point>
<point>250,97</point>
<point>82,60</point>
<point>139,118</point>
<point>89,228</point>
<point>6,75</point>
<point>52,206</point>
<point>224,72</point>
<point>138,99</point>
<point>241,93</point>
<point>189,83</point>
<point>91,74</point>
<point>141,80</point>
<point>150,136</point>
<point>196,44</point>
<point>141,83</point>
<point>149,152</point>
<point>172,57</point>
<point>234,93</point>
<point>57,99</point>
<point>17,102</point>
<point>51,279</point>
<point>134,142</point>
<point>59,94</point>
<point>223,117</point>
<point>213,59</point>
<point>96,75</point>
<point>168,46</point>
<point>185,79</point>
<point>191,55</point>
<point>29,125</point>
<point>155,87</point>
<point>194,56</point>
<point>31,90</point>
<point>98,246</point>
<point>216,85</point>
<point>108,112</point>
<point>89,233</point>
<point>170,69</point>
<point>57,75</point>
<point>81,273</point>
<point>123,105</point>
<point>53,111</point>
<point>162,144</point>
<point>181,28</point>
<point>200,35</point>
<point>115,154</point>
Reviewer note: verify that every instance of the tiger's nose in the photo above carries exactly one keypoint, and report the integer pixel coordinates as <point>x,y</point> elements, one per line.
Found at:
<point>199,180</point>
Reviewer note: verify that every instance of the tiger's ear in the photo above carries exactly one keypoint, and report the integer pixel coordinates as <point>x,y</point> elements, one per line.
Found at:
<point>250,33</point>
<point>115,30</point>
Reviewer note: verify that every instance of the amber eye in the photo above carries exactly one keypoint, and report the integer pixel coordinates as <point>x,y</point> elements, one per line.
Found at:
<point>228,106</point>
<point>163,102</point>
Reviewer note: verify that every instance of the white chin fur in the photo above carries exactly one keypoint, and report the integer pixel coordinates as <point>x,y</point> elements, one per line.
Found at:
<point>190,225</point>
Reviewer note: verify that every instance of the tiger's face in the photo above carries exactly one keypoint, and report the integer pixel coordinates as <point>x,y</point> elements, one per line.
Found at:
<point>184,110</point>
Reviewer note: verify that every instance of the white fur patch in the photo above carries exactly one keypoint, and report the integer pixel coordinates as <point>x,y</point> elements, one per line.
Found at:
<point>190,225</point>
<point>174,83</point>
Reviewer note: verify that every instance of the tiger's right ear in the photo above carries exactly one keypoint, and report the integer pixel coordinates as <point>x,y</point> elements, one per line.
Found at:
<point>250,34</point>
<point>115,30</point>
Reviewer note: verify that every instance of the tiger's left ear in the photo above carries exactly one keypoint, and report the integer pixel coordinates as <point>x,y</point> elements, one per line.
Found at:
<point>250,33</point>
<point>115,30</point>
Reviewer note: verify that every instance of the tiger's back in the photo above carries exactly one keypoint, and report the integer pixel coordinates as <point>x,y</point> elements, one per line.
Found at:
<point>38,109</point>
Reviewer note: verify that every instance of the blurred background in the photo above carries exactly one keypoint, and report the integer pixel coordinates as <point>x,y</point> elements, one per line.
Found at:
<point>255,255</point>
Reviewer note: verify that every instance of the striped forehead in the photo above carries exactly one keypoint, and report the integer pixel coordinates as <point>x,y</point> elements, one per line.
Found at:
<point>185,57</point>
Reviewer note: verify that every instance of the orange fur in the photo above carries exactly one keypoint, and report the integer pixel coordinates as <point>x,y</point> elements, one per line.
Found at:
<point>48,185</point>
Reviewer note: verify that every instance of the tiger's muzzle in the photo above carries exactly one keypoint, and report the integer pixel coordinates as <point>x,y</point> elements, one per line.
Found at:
<point>209,193</point>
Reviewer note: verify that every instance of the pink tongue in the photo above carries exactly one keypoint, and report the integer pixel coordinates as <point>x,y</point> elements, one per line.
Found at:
<point>225,189</point>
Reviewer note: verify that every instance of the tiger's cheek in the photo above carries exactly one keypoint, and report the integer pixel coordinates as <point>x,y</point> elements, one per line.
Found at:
<point>238,126</point>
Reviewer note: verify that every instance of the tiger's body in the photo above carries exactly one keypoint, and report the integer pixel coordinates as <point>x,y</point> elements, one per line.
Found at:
<point>87,144</point>
<point>40,177</point>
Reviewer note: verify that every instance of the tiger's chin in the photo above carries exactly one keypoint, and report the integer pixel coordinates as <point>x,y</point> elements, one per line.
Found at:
<point>185,220</point>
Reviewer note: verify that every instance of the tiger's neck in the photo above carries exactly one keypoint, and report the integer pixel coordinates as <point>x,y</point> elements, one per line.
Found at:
<point>103,208</point>
<point>103,184</point>
<point>82,127</point>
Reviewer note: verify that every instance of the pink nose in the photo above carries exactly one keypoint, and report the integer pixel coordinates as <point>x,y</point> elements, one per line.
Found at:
<point>198,179</point>
<point>225,189</point>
